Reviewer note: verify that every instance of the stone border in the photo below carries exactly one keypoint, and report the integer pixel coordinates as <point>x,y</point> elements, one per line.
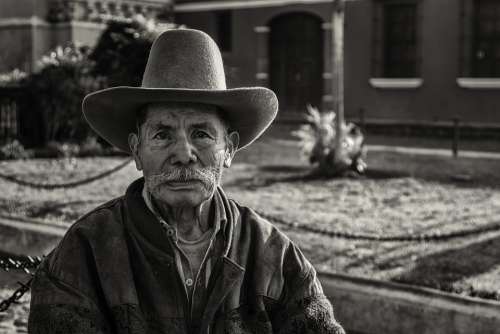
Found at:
<point>372,306</point>
<point>28,237</point>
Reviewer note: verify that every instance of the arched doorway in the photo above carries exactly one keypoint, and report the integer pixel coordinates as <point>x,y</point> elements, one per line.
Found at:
<point>296,60</point>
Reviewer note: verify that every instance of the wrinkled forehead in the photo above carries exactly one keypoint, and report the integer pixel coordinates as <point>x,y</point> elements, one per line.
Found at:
<point>175,114</point>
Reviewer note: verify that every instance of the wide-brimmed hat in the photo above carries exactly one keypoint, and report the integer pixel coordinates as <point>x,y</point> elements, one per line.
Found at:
<point>184,65</point>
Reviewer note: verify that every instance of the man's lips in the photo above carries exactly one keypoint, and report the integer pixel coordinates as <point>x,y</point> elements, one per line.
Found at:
<point>179,185</point>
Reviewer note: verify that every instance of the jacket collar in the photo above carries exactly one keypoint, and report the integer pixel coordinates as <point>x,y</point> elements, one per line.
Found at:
<point>217,207</point>
<point>145,222</point>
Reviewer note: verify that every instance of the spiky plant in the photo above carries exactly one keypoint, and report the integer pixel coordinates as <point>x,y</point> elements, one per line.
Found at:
<point>317,140</point>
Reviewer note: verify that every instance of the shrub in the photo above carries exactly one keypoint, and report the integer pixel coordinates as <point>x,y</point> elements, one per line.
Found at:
<point>91,147</point>
<point>14,150</point>
<point>57,90</point>
<point>318,144</point>
<point>55,149</point>
<point>12,78</point>
<point>67,74</point>
<point>53,110</point>
<point>122,50</point>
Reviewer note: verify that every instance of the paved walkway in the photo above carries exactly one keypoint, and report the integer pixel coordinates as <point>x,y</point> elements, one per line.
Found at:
<point>434,151</point>
<point>416,150</point>
<point>15,319</point>
<point>33,225</point>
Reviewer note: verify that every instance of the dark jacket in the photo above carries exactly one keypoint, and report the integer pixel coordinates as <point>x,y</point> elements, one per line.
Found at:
<point>106,277</point>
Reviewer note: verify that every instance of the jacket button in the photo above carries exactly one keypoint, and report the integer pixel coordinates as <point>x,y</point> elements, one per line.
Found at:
<point>189,282</point>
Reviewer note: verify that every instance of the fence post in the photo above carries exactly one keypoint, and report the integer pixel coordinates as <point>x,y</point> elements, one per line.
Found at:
<point>456,136</point>
<point>362,120</point>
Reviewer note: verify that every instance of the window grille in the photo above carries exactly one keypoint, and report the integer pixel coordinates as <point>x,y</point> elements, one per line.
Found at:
<point>396,39</point>
<point>400,40</point>
<point>8,119</point>
<point>485,56</point>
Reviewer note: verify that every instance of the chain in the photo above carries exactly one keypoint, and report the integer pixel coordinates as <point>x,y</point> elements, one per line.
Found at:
<point>16,263</point>
<point>14,298</point>
<point>437,236</point>
<point>28,262</point>
<point>23,262</point>
<point>73,184</point>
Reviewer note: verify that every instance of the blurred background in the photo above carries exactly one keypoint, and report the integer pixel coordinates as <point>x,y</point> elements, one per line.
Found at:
<point>411,67</point>
<point>383,163</point>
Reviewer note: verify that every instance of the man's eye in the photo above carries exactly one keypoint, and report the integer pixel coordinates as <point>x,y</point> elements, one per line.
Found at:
<point>199,134</point>
<point>162,135</point>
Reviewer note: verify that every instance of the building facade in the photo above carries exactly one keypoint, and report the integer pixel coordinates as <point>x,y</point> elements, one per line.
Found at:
<point>420,61</point>
<point>413,61</point>
<point>31,28</point>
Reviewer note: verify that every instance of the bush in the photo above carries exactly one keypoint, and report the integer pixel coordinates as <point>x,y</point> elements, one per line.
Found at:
<point>14,150</point>
<point>57,90</point>
<point>122,50</point>
<point>53,110</point>
<point>55,149</point>
<point>318,144</point>
<point>12,78</point>
<point>91,148</point>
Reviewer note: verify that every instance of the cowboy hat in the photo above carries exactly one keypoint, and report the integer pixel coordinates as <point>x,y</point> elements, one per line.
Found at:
<point>184,65</point>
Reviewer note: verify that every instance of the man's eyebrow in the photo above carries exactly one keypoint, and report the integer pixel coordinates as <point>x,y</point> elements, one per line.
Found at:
<point>203,125</point>
<point>163,126</point>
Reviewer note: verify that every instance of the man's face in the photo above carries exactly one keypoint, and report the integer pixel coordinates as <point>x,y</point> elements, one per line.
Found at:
<point>182,149</point>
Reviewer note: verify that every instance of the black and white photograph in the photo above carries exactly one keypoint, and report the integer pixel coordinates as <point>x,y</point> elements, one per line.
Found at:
<point>250,166</point>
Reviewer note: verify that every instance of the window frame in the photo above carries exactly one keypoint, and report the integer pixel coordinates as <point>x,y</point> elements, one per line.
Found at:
<point>379,70</point>
<point>467,78</point>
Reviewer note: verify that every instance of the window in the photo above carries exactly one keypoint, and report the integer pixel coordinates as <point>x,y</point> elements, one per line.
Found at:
<point>400,59</point>
<point>396,39</point>
<point>485,56</point>
<point>224,30</point>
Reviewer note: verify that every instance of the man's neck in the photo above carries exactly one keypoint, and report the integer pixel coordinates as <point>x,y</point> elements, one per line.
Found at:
<point>191,222</point>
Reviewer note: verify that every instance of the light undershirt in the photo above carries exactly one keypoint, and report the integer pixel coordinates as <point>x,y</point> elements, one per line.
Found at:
<point>192,252</point>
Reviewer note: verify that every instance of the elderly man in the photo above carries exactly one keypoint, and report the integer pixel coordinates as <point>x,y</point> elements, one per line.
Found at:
<point>174,254</point>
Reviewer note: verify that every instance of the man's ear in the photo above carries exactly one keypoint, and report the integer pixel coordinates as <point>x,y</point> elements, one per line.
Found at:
<point>233,140</point>
<point>133,143</point>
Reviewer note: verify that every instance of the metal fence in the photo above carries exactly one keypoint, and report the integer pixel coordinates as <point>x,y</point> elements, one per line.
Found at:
<point>10,98</point>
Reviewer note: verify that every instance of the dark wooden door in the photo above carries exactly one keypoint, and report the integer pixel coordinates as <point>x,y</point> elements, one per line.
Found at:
<point>296,61</point>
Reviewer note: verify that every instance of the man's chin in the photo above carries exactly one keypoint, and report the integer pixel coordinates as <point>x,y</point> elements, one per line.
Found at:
<point>176,195</point>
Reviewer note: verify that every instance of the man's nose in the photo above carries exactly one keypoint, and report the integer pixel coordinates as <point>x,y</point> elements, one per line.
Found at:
<point>183,152</point>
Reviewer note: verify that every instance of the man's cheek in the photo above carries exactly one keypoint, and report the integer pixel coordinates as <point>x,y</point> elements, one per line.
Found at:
<point>152,163</point>
<point>219,157</point>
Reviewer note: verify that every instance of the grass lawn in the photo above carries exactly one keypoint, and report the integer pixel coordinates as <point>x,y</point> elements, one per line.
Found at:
<point>400,194</point>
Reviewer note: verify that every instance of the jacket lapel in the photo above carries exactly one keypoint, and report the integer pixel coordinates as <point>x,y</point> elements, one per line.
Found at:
<point>230,274</point>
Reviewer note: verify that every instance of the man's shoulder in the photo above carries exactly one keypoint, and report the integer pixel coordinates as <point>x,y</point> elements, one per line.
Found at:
<point>254,223</point>
<point>91,233</point>
<point>102,218</point>
<point>279,260</point>
<point>267,242</point>
<point>94,244</point>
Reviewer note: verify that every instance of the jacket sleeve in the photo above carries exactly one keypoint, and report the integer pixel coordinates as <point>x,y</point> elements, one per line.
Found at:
<point>304,307</point>
<point>57,307</point>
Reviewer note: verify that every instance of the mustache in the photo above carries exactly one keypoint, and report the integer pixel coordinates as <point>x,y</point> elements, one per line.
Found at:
<point>205,175</point>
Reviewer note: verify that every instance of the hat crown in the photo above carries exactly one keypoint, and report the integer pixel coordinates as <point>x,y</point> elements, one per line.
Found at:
<point>184,58</point>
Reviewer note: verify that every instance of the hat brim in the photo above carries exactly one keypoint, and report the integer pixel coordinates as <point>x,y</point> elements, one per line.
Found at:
<point>112,112</point>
